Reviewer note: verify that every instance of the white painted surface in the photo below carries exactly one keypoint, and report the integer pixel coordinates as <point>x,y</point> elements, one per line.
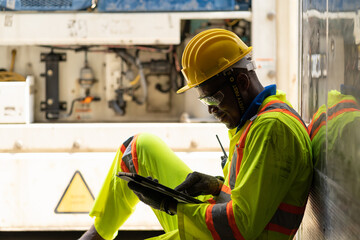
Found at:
<point>107,137</point>
<point>32,185</point>
<point>263,36</point>
<point>17,101</point>
<point>99,28</point>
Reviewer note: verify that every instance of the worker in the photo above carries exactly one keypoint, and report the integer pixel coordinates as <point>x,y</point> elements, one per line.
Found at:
<point>264,189</point>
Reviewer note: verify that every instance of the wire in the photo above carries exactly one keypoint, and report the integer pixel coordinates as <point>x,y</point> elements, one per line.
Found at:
<point>135,81</point>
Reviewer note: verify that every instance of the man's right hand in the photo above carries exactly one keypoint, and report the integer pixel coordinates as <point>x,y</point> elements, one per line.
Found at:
<point>197,184</point>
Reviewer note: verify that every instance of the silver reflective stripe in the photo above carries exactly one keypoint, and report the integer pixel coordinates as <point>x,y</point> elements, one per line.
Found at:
<point>220,220</point>
<point>232,179</point>
<point>287,220</point>
<point>127,156</point>
<point>223,197</point>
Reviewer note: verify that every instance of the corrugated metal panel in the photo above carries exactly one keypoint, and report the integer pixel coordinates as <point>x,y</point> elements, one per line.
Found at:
<point>334,204</point>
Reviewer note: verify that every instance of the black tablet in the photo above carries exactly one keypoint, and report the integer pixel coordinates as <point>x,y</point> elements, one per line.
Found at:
<point>145,182</point>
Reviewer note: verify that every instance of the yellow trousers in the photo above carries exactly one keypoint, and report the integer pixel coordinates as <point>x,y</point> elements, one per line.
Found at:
<point>147,155</point>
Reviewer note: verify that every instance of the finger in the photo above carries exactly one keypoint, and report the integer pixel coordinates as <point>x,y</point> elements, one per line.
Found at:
<point>190,180</point>
<point>136,187</point>
<point>197,189</point>
<point>185,184</point>
<point>153,179</point>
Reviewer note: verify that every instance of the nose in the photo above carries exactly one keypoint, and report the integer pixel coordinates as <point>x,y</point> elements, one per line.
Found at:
<point>212,109</point>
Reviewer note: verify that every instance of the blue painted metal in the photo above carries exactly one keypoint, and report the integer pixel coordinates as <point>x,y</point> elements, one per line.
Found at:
<point>45,5</point>
<point>171,5</point>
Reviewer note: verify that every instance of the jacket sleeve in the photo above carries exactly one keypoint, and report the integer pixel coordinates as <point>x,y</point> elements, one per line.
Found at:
<point>268,169</point>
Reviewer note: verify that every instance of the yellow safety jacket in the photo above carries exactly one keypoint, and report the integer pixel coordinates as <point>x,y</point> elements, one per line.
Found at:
<point>267,180</point>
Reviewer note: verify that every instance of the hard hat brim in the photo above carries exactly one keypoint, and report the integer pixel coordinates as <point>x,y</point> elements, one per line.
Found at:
<point>183,89</point>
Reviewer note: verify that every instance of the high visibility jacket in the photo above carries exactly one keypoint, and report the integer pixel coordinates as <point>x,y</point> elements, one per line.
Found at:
<point>267,180</point>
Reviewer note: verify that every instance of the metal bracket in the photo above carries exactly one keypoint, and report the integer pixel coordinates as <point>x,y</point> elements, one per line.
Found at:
<point>52,106</point>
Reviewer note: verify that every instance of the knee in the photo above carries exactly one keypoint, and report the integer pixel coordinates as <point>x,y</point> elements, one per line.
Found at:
<point>147,141</point>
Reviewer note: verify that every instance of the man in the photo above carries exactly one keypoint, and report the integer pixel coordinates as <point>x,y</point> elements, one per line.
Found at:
<point>266,177</point>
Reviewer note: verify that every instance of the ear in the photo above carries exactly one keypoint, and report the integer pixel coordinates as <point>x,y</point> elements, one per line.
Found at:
<point>243,81</point>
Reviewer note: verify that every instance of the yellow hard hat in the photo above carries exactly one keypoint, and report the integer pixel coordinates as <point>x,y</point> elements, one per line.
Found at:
<point>209,53</point>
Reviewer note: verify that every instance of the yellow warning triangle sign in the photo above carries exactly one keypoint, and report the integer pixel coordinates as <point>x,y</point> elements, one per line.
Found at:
<point>77,197</point>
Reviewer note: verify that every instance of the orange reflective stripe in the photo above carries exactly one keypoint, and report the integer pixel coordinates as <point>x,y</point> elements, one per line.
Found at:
<point>280,229</point>
<point>134,154</point>
<point>232,222</point>
<point>292,209</point>
<point>286,219</point>
<point>289,113</point>
<point>123,147</point>
<point>129,159</point>
<point>240,149</point>
<point>270,103</point>
<point>225,189</point>
<point>123,166</point>
<point>286,111</point>
<point>210,223</point>
<point>221,223</point>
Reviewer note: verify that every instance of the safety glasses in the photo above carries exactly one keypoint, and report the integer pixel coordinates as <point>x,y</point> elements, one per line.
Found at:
<point>214,99</point>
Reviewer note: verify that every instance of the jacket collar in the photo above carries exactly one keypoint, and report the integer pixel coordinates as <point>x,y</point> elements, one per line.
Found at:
<point>255,104</point>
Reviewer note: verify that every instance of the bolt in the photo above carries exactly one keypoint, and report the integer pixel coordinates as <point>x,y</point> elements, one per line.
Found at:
<point>270,16</point>
<point>77,144</point>
<point>18,144</point>
<point>50,101</point>
<point>271,74</point>
<point>193,144</point>
<point>49,72</point>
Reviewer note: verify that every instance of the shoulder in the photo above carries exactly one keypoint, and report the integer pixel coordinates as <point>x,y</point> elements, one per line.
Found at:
<point>279,128</point>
